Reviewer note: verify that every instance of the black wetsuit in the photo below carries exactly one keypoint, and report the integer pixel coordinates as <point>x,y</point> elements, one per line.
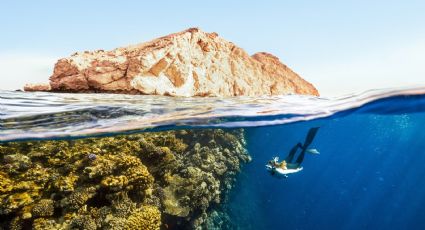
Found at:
<point>290,157</point>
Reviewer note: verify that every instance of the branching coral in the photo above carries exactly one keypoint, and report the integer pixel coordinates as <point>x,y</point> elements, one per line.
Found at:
<point>78,198</point>
<point>145,217</point>
<point>43,208</point>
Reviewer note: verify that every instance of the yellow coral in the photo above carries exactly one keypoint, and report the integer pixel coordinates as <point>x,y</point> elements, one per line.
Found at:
<point>148,218</point>
<point>79,197</point>
<point>139,176</point>
<point>85,222</point>
<point>43,208</point>
<point>6,185</point>
<point>43,224</point>
<point>115,182</point>
<point>65,183</point>
<point>126,161</point>
<point>15,201</point>
<point>36,174</point>
<point>126,170</point>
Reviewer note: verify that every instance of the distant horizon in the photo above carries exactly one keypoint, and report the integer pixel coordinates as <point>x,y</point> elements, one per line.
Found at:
<point>341,48</point>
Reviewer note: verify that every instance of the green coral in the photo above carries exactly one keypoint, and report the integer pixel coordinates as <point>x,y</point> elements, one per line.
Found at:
<point>128,182</point>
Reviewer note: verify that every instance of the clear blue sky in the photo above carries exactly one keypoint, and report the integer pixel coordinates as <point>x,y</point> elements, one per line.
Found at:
<point>340,46</point>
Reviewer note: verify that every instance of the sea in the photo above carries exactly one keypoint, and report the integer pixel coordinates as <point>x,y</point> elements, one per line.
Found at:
<point>368,171</point>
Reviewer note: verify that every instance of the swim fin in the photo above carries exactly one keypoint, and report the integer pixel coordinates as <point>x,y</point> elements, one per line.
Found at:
<point>310,137</point>
<point>313,151</point>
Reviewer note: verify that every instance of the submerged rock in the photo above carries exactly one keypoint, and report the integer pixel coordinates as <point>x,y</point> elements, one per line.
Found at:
<point>188,63</point>
<point>175,179</point>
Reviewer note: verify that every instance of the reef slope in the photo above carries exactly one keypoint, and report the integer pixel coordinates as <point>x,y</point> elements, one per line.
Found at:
<point>168,180</point>
<point>188,63</point>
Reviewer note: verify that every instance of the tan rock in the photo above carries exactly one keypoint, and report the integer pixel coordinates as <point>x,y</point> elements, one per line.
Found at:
<point>37,87</point>
<point>188,63</point>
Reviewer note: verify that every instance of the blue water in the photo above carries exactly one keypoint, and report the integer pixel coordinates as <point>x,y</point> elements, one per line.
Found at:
<point>370,173</point>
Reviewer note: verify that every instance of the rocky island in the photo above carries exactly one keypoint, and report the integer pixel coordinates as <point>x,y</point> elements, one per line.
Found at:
<point>176,179</point>
<point>188,63</point>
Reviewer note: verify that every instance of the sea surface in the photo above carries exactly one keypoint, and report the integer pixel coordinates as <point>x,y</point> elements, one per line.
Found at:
<point>370,173</point>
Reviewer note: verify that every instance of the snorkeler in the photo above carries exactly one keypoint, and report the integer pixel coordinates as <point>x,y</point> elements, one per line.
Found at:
<point>286,167</point>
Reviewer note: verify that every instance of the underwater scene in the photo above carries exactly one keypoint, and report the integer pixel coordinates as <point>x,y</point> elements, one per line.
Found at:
<point>106,161</point>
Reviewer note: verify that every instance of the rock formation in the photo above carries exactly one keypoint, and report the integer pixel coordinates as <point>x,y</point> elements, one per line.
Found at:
<point>37,87</point>
<point>188,63</point>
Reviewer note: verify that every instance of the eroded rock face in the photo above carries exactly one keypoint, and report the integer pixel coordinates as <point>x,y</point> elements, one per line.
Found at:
<point>188,63</point>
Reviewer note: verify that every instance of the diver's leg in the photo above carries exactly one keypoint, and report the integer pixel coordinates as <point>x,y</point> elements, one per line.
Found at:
<point>309,139</point>
<point>291,154</point>
<point>300,157</point>
<point>310,136</point>
<point>292,166</point>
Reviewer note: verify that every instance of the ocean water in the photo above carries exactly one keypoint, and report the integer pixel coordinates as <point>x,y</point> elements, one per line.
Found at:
<point>370,173</point>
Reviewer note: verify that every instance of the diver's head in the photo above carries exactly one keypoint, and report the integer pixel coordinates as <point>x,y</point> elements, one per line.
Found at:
<point>270,167</point>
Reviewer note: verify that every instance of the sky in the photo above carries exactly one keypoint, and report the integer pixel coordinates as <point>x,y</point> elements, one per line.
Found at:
<point>342,47</point>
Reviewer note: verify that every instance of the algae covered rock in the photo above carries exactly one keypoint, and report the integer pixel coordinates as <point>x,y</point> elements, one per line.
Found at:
<point>172,179</point>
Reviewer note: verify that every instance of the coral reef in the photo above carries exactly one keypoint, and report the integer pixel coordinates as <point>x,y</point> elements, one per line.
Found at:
<point>169,180</point>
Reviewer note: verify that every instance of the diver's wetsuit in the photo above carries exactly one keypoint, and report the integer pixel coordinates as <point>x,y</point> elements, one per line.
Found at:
<point>291,155</point>
<point>294,165</point>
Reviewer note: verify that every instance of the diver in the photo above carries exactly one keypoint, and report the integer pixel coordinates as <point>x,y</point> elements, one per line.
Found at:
<point>286,167</point>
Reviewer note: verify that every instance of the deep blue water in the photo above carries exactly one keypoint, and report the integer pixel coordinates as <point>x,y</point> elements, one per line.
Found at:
<point>370,173</point>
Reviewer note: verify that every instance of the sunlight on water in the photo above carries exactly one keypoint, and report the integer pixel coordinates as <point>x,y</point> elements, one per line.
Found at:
<point>52,115</point>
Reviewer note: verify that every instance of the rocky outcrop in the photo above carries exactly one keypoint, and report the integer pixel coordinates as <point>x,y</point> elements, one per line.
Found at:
<point>188,63</point>
<point>37,87</point>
